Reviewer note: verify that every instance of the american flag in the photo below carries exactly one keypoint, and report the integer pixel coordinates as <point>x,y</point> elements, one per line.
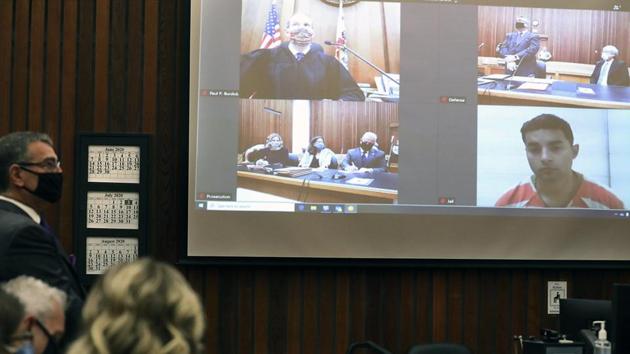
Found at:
<point>271,35</point>
<point>340,53</point>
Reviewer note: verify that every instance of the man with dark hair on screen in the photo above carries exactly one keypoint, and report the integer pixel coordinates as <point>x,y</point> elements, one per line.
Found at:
<point>550,152</point>
<point>519,49</point>
<point>610,70</point>
<point>30,182</point>
<point>298,69</point>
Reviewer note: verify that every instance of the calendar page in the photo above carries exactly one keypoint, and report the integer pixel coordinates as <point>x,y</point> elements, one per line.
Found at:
<point>104,252</point>
<point>114,164</point>
<point>113,210</point>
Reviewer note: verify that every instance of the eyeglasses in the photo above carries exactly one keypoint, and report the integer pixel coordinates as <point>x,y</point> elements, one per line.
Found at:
<point>48,164</point>
<point>23,336</point>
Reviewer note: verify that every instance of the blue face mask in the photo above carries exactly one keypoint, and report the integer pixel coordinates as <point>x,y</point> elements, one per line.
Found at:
<point>26,348</point>
<point>319,146</point>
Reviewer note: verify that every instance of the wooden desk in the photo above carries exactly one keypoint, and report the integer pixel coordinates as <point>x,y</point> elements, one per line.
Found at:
<point>557,70</point>
<point>560,93</point>
<point>316,191</point>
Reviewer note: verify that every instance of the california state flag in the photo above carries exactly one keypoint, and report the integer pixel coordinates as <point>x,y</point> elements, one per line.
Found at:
<point>340,53</point>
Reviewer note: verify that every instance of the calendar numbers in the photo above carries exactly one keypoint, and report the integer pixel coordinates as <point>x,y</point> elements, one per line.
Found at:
<point>104,252</point>
<point>113,210</point>
<point>114,164</point>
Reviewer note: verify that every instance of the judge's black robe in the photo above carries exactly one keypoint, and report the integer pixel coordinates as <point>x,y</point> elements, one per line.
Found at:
<point>276,73</point>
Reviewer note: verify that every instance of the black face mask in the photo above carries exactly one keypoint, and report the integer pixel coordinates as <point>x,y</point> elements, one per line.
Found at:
<point>52,347</point>
<point>365,146</point>
<point>49,186</point>
<point>519,25</point>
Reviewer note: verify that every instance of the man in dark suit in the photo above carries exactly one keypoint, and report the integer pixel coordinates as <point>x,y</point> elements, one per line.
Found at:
<point>30,181</point>
<point>610,70</point>
<point>365,158</point>
<point>519,49</point>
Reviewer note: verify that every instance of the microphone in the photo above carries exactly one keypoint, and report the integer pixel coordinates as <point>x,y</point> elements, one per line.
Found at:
<point>345,47</point>
<point>509,85</point>
<point>481,45</point>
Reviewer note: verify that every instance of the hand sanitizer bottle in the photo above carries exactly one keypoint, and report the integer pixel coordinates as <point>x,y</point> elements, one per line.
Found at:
<point>602,345</point>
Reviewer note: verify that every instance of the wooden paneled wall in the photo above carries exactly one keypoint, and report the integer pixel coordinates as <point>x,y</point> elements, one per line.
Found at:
<point>323,310</point>
<point>372,30</point>
<point>573,35</point>
<point>120,66</point>
<point>258,119</point>
<point>343,123</point>
<point>340,123</point>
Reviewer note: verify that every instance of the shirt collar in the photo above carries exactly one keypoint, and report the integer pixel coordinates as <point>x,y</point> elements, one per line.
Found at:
<point>27,209</point>
<point>294,49</point>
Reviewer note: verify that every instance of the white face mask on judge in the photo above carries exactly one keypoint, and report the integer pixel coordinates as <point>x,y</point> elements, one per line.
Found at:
<point>300,29</point>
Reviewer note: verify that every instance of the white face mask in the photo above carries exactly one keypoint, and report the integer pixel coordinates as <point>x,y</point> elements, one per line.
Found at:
<point>606,56</point>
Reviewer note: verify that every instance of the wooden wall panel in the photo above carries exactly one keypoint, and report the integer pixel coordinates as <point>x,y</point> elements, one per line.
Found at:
<point>343,123</point>
<point>573,35</point>
<point>372,30</point>
<point>6,47</point>
<point>256,123</point>
<point>50,77</point>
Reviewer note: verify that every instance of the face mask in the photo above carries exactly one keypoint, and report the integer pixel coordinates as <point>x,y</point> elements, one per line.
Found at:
<point>606,56</point>
<point>275,145</point>
<point>26,348</point>
<point>519,25</point>
<point>366,146</point>
<point>319,146</point>
<point>49,185</point>
<point>51,348</point>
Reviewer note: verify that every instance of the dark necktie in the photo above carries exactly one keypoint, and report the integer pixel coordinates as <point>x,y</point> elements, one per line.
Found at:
<point>363,158</point>
<point>299,56</point>
<point>48,228</point>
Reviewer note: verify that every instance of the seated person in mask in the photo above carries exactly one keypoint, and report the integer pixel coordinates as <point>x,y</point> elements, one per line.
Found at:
<point>44,307</point>
<point>272,152</point>
<point>519,49</point>
<point>15,336</point>
<point>365,158</point>
<point>318,155</point>
<point>611,70</point>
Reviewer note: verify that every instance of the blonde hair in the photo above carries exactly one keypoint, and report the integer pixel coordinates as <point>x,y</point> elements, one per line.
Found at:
<point>139,308</point>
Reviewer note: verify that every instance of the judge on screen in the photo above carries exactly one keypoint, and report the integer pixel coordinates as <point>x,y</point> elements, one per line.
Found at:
<point>298,69</point>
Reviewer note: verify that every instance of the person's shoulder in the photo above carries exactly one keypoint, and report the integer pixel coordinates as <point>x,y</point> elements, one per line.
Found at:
<point>12,218</point>
<point>265,52</point>
<point>598,196</point>
<point>518,195</point>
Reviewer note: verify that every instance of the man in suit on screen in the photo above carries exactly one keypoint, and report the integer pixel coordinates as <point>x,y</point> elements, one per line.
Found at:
<point>30,182</point>
<point>610,70</point>
<point>550,151</point>
<point>365,158</point>
<point>519,49</point>
<point>298,69</point>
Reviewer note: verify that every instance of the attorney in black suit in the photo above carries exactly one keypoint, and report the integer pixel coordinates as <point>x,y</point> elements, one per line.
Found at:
<point>366,158</point>
<point>610,70</point>
<point>30,181</point>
